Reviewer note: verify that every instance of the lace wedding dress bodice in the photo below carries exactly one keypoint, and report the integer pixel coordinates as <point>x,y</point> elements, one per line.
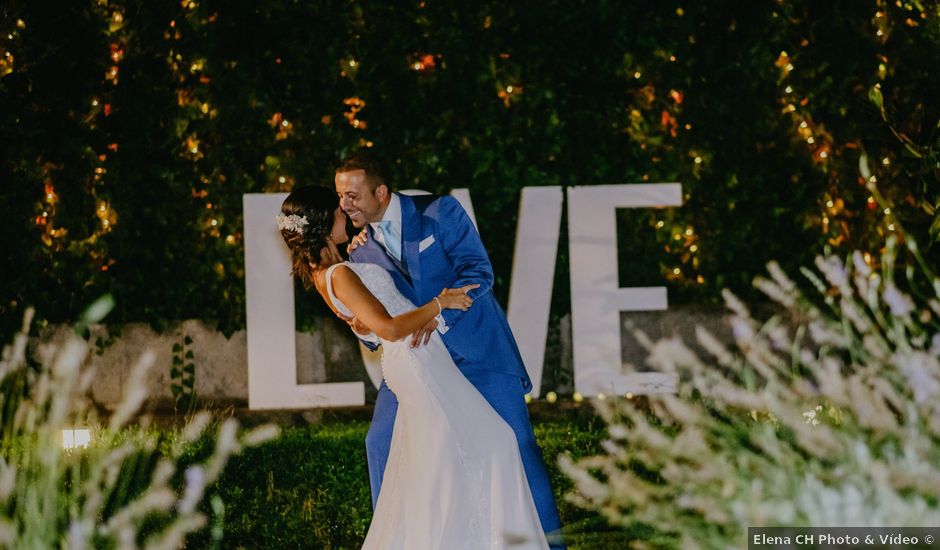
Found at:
<point>379,283</point>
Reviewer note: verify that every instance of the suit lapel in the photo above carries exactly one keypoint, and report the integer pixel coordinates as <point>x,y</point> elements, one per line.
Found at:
<point>411,237</point>
<point>374,253</point>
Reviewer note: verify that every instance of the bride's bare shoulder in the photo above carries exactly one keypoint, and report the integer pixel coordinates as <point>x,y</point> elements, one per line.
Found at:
<point>343,277</point>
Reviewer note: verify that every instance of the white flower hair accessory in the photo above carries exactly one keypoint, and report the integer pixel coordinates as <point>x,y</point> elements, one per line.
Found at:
<point>292,222</point>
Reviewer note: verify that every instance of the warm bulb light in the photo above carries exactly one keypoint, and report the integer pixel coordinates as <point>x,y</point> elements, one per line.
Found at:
<point>76,438</point>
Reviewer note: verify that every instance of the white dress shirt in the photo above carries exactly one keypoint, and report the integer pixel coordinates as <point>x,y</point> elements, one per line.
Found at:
<point>392,214</point>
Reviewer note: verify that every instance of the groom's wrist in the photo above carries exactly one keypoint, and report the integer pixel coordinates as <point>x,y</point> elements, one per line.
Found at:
<point>441,324</point>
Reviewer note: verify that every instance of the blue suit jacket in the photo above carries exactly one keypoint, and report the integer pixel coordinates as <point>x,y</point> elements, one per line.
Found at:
<point>453,256</point>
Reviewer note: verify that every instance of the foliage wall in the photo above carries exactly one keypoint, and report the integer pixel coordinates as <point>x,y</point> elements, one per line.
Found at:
<point>130,131</point>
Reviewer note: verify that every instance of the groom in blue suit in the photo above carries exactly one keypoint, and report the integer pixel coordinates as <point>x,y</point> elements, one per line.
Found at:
<point>428,243</point>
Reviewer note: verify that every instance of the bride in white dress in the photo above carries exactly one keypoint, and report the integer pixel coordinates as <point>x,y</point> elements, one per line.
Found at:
<point>454,478</point>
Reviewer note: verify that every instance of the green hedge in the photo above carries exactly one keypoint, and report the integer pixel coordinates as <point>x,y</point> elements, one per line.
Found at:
<point>156,117</point>
<point>310,489</point>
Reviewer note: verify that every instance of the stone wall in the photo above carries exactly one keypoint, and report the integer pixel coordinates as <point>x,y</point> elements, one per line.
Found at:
<point>328,353</point>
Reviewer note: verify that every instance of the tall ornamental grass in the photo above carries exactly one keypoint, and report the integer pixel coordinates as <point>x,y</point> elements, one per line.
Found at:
<point>827,414</point>
<point>128,488</point>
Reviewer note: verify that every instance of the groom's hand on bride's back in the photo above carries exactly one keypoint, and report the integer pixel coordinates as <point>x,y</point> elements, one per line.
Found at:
<point>357,241</point>
<point>423,336</point>
<point>355,324</point>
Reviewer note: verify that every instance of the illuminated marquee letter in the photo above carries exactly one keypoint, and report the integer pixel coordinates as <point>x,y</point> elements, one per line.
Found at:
<point>596,298</point>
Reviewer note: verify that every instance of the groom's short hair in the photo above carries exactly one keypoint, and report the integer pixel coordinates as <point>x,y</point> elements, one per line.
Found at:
<point>367,162</point>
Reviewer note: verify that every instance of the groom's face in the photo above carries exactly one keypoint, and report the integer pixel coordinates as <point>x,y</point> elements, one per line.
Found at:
<point>358,200</point>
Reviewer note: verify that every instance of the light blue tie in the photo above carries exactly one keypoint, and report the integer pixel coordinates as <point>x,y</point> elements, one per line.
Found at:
<point>392,241</point>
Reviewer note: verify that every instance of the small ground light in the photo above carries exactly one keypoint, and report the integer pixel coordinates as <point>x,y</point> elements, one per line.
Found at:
<point>551,397</point>
<point>577,397</point>
<point>528,398</point>
<point>75,438</point>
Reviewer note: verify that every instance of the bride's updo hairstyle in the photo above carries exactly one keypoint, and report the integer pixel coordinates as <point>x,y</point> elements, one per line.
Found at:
<point>316,205</point>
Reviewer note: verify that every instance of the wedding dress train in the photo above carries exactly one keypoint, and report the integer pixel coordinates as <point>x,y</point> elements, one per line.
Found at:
<point>454,477</point>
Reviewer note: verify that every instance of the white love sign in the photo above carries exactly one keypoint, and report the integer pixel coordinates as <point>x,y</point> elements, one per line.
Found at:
<point>269,295</point>
<point>596,298</point>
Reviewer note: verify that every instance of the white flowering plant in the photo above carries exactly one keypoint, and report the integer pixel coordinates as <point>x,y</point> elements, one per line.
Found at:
<point>128,487</point>
<point>825,415</point>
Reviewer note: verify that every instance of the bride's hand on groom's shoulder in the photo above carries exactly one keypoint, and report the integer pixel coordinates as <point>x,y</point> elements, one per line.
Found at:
<point>357,241</point>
